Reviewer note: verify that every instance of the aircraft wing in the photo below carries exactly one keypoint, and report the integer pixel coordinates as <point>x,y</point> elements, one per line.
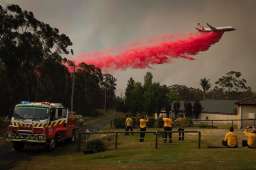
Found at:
<point>212,27</point>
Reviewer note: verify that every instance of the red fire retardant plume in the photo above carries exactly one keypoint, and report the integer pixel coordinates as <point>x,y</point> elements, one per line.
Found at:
<point>153,53</point>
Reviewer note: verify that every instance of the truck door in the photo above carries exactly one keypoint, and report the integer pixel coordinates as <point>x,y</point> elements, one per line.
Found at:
<point>53,117</point>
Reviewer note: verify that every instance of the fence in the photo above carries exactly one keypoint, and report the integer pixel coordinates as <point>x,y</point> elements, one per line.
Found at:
<point>241,123</point>
<point>213,123</point>
<point>83,137</point>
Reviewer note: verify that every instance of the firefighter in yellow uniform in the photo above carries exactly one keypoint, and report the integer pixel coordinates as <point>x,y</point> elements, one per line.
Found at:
<point>128,125</point>
<point>180,122</point>
<point>251,138</point>
<point>168,123</point>
<point>143,127</point>
<point>230,139</point>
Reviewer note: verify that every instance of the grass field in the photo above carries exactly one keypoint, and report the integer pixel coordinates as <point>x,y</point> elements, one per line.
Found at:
<point>134,155</point>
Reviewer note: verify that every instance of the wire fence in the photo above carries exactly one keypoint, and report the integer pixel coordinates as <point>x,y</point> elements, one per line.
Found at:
<point>201,123</point>
<point>84,137</point>
<point>239,123</point>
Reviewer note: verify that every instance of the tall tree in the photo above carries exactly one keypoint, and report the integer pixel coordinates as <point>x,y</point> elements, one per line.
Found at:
<point>148,79</point>
<point>232,84</point>
<point>205,84</point>
<point>109,86</point>
<point>25,43</point>
<point>197,109</point>
<point>232,81</point>
<point>182,92</point>
<point>176,108</point>
<point>134,96</point>
<point>88,94</point>
<point>149,97</point>
<point>188,109</point>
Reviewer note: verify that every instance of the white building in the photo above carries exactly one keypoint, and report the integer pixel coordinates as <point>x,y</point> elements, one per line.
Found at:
<point>228,112</point>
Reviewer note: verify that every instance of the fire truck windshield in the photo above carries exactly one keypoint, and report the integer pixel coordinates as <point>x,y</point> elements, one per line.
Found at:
<point>34,113</point>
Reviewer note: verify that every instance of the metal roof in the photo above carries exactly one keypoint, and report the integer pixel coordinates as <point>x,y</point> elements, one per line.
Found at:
<point>215,106</point>
<point>247,101</point>
<point>219,106</point>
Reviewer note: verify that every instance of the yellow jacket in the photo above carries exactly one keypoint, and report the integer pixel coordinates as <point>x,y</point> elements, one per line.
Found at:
<point>143,123</point>
<point>231,139</point>
<point>168,122</point>
<point>251,138</point>
<point>128,121</point>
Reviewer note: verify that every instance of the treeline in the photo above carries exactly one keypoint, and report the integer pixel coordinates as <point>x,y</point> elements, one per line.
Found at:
<point>32,66</point>
<point>230,86</point>
<point>151,97</point>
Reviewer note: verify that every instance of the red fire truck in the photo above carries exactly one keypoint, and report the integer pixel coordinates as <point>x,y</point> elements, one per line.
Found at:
<point>42,123</point>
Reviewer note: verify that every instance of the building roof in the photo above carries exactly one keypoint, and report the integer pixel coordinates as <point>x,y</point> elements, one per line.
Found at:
<point>247,101</point>
<point>219,106</point>
<point>215,106</point>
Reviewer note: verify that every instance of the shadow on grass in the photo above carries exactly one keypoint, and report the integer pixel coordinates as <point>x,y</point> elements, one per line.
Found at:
<point>9,157</point>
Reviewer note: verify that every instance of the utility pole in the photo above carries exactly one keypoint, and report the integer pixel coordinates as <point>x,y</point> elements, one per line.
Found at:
<point>73,84</point>
<point>73,88</point>
<point>105,103</point>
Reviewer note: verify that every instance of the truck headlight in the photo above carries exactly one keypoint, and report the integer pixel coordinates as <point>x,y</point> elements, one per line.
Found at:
<point>41,137</point>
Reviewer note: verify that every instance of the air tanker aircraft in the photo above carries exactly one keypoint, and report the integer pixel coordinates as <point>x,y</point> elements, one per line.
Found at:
<point>211,28</point>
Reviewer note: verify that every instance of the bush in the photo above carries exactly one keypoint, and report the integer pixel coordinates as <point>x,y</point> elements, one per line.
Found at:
<point>151,123</point>
<point>184,122</point>
<point>119,122</point>
<point>94,146</point>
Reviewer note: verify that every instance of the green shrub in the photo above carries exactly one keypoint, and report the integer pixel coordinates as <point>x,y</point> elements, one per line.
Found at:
<point>119,122</point>
<point>189,122</point>
<point>152,123</point>
<point>184,122</point>
<point>94,146</point>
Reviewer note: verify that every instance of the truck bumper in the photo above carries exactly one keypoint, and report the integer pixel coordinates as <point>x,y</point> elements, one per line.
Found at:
<point>30,138</point>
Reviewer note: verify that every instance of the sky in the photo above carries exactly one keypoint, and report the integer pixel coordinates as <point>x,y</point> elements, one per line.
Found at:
<point>95,25</point>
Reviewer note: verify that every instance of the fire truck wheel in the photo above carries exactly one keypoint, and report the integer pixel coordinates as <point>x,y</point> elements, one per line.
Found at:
<point>18,146</point>
<point>51,145</point>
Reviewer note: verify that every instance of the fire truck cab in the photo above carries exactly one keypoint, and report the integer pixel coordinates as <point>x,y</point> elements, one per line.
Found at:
<point>41,122</point>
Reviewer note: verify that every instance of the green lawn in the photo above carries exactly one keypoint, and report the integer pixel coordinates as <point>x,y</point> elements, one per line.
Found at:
<point>134,155</point>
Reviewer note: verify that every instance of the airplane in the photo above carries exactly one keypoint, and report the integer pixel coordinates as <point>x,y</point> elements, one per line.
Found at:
<point>211,28</point>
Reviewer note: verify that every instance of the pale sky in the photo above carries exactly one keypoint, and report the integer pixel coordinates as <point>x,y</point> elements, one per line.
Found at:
<point>94,25</point>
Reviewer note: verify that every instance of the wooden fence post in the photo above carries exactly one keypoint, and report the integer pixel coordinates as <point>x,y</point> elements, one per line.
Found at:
<point>212,123</point>
<point>116,136</point>
<point>79,142</point>
<point>156,141</point>
<point>199,139</point>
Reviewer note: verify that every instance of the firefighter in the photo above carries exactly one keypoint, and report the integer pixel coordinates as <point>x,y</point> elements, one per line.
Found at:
<point>251,137</point>
<point>143,127</point>
<point>168,123</point>
<point>128,125</point>
<point>180,121</point>
<point>230,139</point>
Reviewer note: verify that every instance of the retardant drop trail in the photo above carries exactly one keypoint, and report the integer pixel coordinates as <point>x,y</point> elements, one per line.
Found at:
<point>155,53</point>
